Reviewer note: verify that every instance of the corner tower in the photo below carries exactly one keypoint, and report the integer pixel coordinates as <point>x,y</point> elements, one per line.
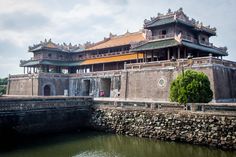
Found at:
<point>174,35</point>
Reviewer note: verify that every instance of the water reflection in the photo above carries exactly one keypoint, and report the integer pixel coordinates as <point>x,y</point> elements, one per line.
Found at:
<point>93,144</point>
<point>96,154</point>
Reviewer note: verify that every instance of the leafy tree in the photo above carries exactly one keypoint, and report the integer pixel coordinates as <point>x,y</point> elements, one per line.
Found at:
<point>2,89</point>
<point>3,81</point>
<point>191,87</point>
<point>3,86</point>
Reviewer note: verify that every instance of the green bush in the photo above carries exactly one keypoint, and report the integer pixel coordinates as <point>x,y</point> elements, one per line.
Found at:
<point>3,81</point>
<point>191,87</point>
<point>3,86</point>
<point>2,89</point>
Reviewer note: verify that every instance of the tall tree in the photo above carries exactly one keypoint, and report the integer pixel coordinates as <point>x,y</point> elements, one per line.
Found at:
<point>3,86</point>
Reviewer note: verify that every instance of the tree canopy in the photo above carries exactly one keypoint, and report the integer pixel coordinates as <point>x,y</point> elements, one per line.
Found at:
<point>191,87</point>
<point>3,86</point>
<point>3,81</point>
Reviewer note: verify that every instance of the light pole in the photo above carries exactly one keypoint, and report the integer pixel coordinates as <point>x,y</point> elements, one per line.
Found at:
<point>189,58</point>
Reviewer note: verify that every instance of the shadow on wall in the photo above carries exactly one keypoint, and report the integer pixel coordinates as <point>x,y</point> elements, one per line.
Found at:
<point>49,90</point>
<point>85,87</point>
<point>105,87</point>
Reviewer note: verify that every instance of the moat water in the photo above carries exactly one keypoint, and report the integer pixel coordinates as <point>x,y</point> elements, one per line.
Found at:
<point>94,144</point>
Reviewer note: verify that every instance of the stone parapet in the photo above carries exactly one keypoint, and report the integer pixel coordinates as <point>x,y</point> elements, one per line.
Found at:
<point>37,115</point>
<point>97,74</point>
<point>199,61</point>
<point>26,103</point>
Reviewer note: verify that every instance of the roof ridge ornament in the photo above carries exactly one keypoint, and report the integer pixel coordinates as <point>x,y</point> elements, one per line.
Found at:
<point>177,15</point>
<point>111,35</point>
<point>51,45</point>
<point>180,9</point>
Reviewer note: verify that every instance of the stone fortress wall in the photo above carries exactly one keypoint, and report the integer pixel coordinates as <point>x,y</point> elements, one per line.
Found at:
<point>191,127</point>
<point>43,115</point>
<point>36,115</point>
<point>152,81</point>
<point>23,85</point>
<point>145,81</point>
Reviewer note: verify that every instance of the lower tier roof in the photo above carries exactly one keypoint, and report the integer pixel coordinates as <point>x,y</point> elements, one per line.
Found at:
<point>160,44</point>
<point>49,62</point>
<point>108,59</point>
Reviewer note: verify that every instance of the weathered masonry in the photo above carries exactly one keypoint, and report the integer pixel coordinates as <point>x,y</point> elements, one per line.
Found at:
<point>139,65</point>
<point>36,115</point>
<point>218,130</point>
<point>157,120</point>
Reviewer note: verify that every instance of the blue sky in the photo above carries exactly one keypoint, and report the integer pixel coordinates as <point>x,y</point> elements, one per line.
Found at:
<point>24,23</point>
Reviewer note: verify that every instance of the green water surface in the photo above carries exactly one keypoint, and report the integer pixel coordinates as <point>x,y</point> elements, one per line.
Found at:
<point>93,144</point>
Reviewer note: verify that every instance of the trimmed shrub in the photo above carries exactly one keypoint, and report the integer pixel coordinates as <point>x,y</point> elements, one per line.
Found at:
<point>191,87</point>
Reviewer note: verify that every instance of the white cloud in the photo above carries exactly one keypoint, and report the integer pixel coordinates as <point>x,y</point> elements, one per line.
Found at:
<point>9,66</point>
<point>9,6</point>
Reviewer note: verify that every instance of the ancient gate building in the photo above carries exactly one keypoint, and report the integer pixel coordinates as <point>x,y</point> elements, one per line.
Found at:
<point>139,65</point>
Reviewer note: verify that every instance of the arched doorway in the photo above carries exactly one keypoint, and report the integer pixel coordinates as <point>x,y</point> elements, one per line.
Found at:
<point>47,90</point>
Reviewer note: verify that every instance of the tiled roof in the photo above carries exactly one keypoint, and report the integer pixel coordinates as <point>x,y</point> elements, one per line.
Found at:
<point>179,17</point>
<point>84,62</point>
<point>161,22</point>
<point>156,45</point>
<point>125,39</point>
<point>56,47</point>
<point>49,62</point>
<point>205,48</point>
<point>113,59</point>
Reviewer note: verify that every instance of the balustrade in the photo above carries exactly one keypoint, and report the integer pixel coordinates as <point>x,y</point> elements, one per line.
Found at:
<point>167,63</point>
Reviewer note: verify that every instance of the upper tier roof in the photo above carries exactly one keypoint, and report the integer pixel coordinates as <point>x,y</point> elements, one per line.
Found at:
<point>114,41</point>
<point>56,47</point>
<point>178,17</point>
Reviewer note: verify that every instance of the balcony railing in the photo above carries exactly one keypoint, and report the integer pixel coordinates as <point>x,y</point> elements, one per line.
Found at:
<point>206,43</point>
<point>166,36</point>
<point>189,38</point>
<point>105,55</point>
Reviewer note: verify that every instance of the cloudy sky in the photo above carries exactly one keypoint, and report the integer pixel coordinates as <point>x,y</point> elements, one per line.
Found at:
<point>27,22</point>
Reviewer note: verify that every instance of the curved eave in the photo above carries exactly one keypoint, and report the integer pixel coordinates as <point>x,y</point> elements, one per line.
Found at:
<point>212,50</point>
<point>163,22</point>
<point>153,45</point>
<point>108,59</point>
<point>47,49</point>
<point>159,22</point>
<point>30,63</point>
<point>160,44</point>
<point>205,31</point>
<point>50,62</point>
<point>185,23</point>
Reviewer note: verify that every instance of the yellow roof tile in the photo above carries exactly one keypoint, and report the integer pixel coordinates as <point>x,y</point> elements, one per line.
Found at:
<point>113,59</point>
<point>120,40</point>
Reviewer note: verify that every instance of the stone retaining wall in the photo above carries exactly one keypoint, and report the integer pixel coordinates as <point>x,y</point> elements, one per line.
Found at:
<point>39,115</point>
<point>197,128</point>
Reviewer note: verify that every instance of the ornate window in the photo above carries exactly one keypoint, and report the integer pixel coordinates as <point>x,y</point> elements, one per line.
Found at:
<point>162,82</point>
